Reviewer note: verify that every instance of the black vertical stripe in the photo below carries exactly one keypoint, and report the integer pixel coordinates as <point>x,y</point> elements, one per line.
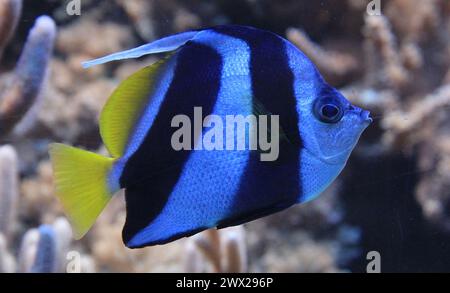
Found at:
<point>269,186</point>
<point>151,173</point>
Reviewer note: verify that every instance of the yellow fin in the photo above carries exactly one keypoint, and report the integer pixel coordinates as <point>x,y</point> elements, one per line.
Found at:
<point>81,184</point>
<point>124,107</point>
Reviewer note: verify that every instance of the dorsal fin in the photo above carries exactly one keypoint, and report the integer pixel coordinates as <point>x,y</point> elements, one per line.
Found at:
<point>166,44</point>
<point>124,107</point>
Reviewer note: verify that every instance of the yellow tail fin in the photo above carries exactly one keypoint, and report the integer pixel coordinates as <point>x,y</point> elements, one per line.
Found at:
<point>81,184</point>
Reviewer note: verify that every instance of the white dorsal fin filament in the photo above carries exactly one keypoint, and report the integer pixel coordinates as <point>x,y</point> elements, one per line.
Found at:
<point>166,44</point>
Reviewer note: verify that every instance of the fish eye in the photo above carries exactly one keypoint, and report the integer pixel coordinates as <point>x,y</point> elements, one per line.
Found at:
<point>328,111</point>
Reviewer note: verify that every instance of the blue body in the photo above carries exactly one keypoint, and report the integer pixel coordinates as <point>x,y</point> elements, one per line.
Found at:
<point>224,70</point>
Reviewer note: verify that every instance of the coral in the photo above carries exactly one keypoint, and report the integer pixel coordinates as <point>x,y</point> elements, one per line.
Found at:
<point>414,19</point>
<point>7,262</point>
<point>335,66</point>
<point>433,189</point>
<point>224,250</point>
<point>9,194</point>
<point>76,96</point>
<point>138,12</point>
<point>44,250</point>
<point>64,236</point>
<point>114,36</point>
<point>38,200</point>
<point>420,122</point>
<point>147,15</point>
<point>317,241</point>
<point>28,250</point>
<point>110,254</point>
<point>381,47</point>
<point>19,93</point>
<point>9,17</point>
<point>409,124</point>
<point>25,85</point>
<point>425,117</point>
<point>45,259</point>
<point>396,65</point>
<point>235,252</point>
<point>209,243</point>
<point>314,258</point>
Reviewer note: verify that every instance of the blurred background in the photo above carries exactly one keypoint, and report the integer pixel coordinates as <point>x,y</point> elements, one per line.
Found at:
<point>393,197</point>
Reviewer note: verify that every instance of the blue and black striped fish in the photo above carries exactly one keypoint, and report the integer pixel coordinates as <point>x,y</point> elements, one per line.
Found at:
<point>225,70</point>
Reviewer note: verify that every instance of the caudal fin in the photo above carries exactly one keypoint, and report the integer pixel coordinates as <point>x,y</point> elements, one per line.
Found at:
<point>81,184</point>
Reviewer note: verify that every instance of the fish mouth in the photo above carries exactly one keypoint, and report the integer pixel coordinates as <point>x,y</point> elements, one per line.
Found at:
<point>365,116</point>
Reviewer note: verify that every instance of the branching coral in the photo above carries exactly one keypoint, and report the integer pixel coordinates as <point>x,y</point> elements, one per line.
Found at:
<point>49,253</point>
<point>7,262</point>
<point>407,56</point>
<point>146,15</point>
<point>9,17</point>
<point>19,93</point>
<point>414,128</point>
<point>76,96</point>
<point>24,86</point>
<point>336,66</point>
<point>420,121</point>
<point>43,249</point>
<point>433,189</point>
<point>138,11</point>
<point>224,250</point>
<point>9,193</point>
<point>396,65</point>
<point>381,48</point>
<point>415,20</point>
<point>410,124</point>
<point>45,259</point>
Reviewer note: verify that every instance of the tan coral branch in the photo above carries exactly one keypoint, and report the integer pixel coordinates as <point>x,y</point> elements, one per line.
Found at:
<point>9,17</point>
<point>29,75</point>
<point>381,41</point>
<point>9,189</point>
<point>334,65</point>
<point>401,124</point>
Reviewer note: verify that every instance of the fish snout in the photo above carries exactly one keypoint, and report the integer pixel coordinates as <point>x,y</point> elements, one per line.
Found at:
<point>365,116</point>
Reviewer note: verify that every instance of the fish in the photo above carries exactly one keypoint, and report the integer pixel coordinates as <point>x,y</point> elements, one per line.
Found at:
<point>174,193</point>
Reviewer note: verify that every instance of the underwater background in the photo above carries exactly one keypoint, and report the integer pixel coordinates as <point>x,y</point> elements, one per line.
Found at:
<point>392,199</point>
